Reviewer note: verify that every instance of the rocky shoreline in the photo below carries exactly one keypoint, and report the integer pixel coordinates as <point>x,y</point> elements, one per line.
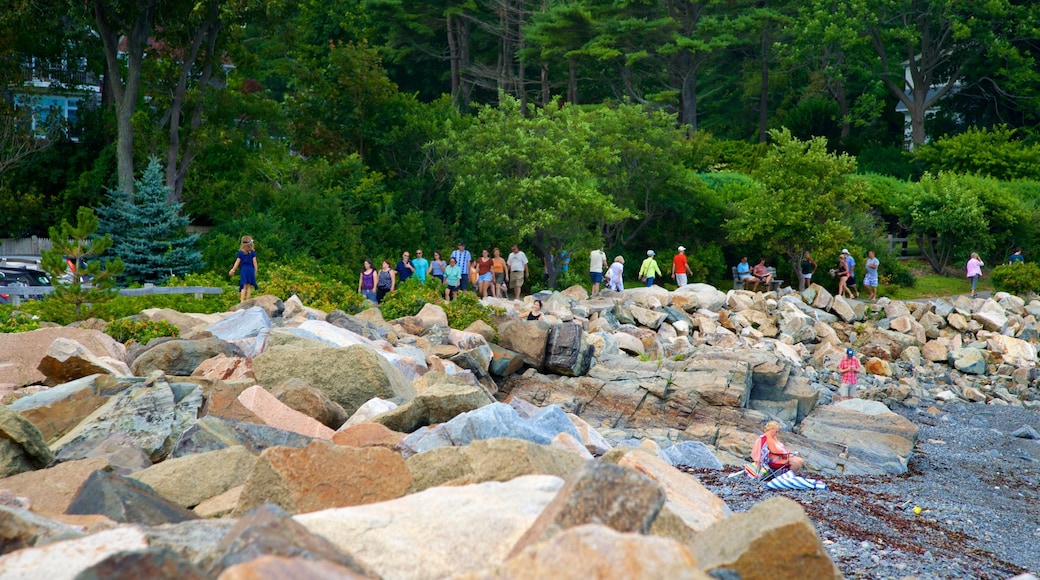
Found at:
<point>268,440</point>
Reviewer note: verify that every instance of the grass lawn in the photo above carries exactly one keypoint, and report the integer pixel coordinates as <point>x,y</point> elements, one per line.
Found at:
<point>932,285</point>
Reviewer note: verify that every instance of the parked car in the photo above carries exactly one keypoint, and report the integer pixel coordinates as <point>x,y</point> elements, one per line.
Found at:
<point>26,276</point>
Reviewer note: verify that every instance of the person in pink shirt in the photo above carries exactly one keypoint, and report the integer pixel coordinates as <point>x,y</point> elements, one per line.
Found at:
<point>974,268</point>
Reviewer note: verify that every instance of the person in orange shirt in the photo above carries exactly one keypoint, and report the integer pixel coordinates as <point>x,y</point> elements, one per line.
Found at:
<point>498,272</point>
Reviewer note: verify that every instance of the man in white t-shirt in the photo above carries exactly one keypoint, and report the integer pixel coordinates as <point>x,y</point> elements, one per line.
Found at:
<point>597,259</point>
<point>517,262</point>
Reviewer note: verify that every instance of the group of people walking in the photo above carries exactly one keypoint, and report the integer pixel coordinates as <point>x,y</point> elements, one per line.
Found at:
<point>489,275</point>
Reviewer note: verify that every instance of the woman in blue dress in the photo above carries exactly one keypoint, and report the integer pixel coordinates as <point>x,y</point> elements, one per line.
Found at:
<point>246,258</point>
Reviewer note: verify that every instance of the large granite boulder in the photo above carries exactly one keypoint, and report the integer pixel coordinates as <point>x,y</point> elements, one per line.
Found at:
<point>567,352</point>
<point>180,357</point>
<point>323,475</point>
<point>68,360</point>
<point>489,460</point>
<point>490,422</point>
<point>188,481</point>
<point>301,396</point>
<point>56,410</point>
<point>270,531</point>
<point>528,338</point>
<point>22,352</point>
<point>878,441</point>
<point>447,530</point>
<point>440,402</point>
<point>211,433</point>
<point>125,500</point>
<point>349,376</point>
<point>22,447</point>
<point>243,324</point>
<point>154,414</point>
<point>776,531</point>
<point>693,297</point>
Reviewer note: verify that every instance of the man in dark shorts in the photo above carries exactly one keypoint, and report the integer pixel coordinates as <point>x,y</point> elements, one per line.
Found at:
<point>851,263</point>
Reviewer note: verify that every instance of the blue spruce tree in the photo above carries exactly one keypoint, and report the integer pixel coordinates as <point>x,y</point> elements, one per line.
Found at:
<point>148,232</point>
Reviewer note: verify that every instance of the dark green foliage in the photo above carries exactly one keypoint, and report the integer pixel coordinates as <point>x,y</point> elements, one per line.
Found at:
<point>148,232</point>
<point>409,297</point>
<point>1019,279</point>
<point>79,244</point>
<point>466,309</point>
<point>140,330</point>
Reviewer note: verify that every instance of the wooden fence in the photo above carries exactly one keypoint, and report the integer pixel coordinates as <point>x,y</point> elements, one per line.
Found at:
<point>32,246</point>
<point>17,292</point>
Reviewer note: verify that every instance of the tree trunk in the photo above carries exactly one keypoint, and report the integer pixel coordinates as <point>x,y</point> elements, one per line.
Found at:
<point>453,59</point>
<point>572,81</point>
<point>111,29</point>
<point>546,251</point>
<point>178,154</point>
<point>763,93</point>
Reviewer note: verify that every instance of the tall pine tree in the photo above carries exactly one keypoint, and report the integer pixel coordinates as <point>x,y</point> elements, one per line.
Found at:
<point>148,233</point>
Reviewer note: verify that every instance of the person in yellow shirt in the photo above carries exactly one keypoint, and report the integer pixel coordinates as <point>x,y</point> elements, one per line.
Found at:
<point>649,269</point>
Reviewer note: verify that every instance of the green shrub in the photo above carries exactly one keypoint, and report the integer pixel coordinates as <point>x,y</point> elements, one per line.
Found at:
<point>1019,279</point>
<point>409,297</point>
<point>467,309</point>
<point>15,321</point>
<point>315,286</point>
<point>141,331</point>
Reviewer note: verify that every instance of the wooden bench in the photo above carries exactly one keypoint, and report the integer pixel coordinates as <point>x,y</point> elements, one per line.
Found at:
<point>774,284</point>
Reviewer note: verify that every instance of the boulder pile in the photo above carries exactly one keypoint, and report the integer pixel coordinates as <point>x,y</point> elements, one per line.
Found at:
<point>277,440</point>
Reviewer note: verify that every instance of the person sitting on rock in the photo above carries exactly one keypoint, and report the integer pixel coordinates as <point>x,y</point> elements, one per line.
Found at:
<point>768,450</point>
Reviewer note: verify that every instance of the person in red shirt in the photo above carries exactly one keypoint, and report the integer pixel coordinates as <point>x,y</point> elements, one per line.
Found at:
<point>849,368</point>
<point>680,267</point>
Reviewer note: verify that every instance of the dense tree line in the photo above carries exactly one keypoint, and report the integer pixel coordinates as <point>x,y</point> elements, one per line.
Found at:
<point>344,129</point>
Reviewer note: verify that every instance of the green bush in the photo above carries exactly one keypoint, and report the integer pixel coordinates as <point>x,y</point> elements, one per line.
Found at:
<point>467,309</point>
<point>1019,279</point>
<point>316,286</point>
<point>138,330</point>
<point>409,297</point>
<point>15,321</point>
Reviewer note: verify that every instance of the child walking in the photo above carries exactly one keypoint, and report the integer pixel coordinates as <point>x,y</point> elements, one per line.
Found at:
<point>849,369</point>
<point>246,258</point>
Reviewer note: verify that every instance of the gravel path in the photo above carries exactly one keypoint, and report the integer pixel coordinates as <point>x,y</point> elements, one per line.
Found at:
<point>978,488</point>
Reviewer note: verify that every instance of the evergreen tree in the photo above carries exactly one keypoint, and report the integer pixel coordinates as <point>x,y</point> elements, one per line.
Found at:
<point>90,282</point>
<point>148,233</point>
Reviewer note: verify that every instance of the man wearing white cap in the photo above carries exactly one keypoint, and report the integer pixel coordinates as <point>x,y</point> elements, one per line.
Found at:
<point>680,267</point>
<point>850,264</point>
<point>649,269</point>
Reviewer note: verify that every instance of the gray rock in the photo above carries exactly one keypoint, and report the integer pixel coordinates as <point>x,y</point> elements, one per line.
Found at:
<point>968,360</point>
<point>691,454</point>
<point>125,500</point>
<point>180,357</point>
<point>212,433</point>
<point>440,402</point>
<point>490,422</point>
<point>244,324</point>
<point>878,440</point>
<point>349,376</point>
<point>143,563</point>
<point>1026,432</point>
<point>567,352</point>
<point>269,530</point>
<point>148,413</point>
<point>22,447</point>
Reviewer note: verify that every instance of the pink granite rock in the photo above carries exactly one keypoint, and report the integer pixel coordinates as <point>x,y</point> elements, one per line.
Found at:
<point>225,368</point>
<point>277,414</point>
